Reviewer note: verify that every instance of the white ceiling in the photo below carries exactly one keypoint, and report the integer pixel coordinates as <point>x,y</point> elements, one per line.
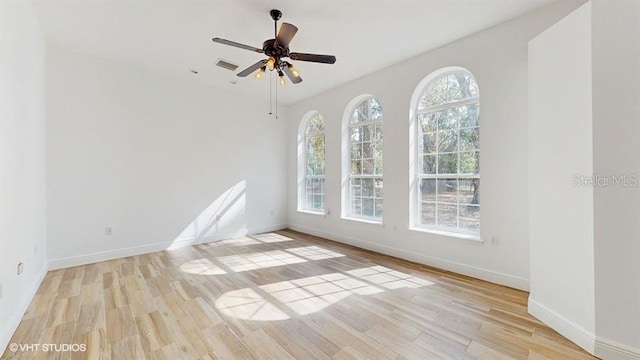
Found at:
<point>174,36</point>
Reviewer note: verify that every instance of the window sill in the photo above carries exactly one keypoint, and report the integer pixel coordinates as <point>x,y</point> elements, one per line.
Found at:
<point>366,221</point>
<point>470,237</point>
<point>310,212</point>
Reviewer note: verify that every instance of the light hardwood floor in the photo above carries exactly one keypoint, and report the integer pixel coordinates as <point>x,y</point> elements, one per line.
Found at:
<point>283,295</point>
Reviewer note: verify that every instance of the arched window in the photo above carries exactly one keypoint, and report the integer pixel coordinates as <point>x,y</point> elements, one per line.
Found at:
<point>447,152</point>
<point>363,194</point>
<point>311,160</point>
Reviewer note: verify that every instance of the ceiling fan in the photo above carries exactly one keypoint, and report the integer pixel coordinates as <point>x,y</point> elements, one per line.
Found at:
<point>277,49</point>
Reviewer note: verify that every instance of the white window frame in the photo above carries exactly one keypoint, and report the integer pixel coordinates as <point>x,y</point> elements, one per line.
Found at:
<point>347,200</point>
<point>303,176</point>
<point>416,176</point>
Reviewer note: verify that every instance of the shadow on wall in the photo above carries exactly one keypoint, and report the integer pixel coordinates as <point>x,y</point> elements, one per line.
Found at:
<point>224,218</point>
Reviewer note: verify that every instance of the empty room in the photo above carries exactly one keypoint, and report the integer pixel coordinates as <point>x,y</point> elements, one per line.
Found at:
<point>280,179</point>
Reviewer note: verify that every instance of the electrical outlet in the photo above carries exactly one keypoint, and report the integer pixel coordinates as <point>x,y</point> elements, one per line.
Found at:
<point>495,240</point>
<point>108,230</point>
<point>395,228</point>
<point>20,268</point>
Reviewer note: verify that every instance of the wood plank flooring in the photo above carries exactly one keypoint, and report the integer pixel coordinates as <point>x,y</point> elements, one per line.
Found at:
<point>282,295</point>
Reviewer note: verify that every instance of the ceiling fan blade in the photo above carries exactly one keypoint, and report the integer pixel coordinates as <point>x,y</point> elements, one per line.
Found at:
<point>252,68</point>
<point>325,59</point>
<point>238,45</point>
<point>286,34</point>
<point>294,79</point>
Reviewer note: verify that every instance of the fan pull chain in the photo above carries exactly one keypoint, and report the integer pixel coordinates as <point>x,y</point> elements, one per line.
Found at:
<point>276,86</point>
<point>270,94</point>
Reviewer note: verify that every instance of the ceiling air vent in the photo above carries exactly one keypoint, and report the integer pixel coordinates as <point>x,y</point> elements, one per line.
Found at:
<point>226,65</point>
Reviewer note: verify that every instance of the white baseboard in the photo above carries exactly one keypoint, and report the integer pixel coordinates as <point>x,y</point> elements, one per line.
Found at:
<point>78,260</point>
<point>567,328</point>
<point>268,228</point>
<point>607,349</point>
<point>9,326</point>
<point>479,273</point>
<point>71,261</point>
<point>602,348</point>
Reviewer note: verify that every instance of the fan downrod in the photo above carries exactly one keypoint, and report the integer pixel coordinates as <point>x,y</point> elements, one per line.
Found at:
<point>275,14</point>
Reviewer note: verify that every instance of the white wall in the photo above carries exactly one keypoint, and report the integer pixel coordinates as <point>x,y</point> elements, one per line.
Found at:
<point>22,162</point>
<point>156,159</point>
<point>560,166</point>
<point>616,143</point>
<point>497,57</point>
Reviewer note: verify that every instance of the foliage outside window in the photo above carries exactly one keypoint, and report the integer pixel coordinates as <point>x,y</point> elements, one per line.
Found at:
<point>365,161</point>
<point>314,198</point>
<point>448,154</point>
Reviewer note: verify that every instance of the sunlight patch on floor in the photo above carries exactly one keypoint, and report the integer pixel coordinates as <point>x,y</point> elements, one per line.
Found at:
<point>271,238</point>
<point>314,253</point>
<point>243,241</point>
<point>246,304</point>
<point>256,260</point>
<point>259,260</point>
<point>201,267</point>
<point>388,278</point>
<point>266,238</point>
<point>312,294</point>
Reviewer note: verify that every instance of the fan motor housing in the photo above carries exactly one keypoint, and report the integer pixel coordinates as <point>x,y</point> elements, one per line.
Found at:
<point>271,49</point>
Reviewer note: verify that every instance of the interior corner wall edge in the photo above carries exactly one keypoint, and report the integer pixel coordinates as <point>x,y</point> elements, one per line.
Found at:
<point>586,238</point>
<point>497,57</point>
<point>22,162</point>
<point>561,205</point>
<point>154,160</point>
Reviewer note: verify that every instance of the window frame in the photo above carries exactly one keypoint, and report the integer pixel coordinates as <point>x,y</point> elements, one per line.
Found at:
<point>303,140</point>
<point>347,198</point>
<point>417,176</point>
